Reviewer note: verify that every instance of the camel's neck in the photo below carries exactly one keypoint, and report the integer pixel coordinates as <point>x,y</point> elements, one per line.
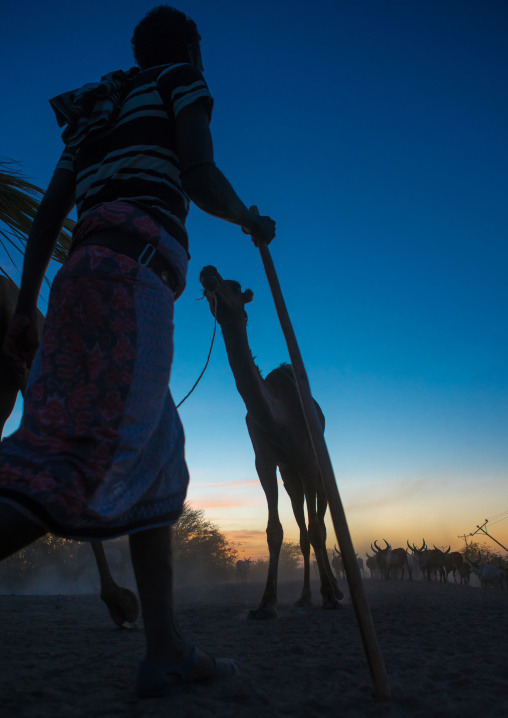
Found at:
<point>249,382</point>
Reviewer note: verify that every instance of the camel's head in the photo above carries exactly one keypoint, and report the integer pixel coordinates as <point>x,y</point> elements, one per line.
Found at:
<point>224,296</point>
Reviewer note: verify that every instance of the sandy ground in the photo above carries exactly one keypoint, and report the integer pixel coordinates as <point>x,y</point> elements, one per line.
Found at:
<point>445,649</point>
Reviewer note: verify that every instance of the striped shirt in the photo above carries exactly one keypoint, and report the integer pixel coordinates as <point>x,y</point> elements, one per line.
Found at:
<point>136,161</point>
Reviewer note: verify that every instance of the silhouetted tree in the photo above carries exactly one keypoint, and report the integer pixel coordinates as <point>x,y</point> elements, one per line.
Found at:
<point>201,551</point>
<point>289,560</point>
<point>22,568</point>
<point>475,548</point>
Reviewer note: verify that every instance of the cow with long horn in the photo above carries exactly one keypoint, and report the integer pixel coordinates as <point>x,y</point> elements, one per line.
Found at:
<point>242,569</point>
<point>372,565</point>
<point>337,563</point>
<point>452,562</point>
<point>431,562</point>
<point>381,555</point>
<point>413,561</point>
<point>488,574</point>
<point>392,560</point>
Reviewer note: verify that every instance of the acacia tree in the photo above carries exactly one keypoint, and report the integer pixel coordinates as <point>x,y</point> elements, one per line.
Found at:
<point>23,567</point>
<point>289,559</point>
<point>475,549</point>
<point>200,550</point>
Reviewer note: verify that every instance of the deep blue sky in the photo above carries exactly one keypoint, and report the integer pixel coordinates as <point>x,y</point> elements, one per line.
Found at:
<point>375,134</point>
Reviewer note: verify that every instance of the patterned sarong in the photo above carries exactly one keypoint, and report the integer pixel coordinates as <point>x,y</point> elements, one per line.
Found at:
<point>100,449</point>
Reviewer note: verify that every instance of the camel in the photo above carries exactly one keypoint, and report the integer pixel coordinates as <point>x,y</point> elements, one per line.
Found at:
<point>280,438</point>
<point>122,603</point>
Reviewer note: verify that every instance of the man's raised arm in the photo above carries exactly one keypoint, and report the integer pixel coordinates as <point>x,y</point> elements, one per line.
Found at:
<point>204,182</point>
<point>56,204</point>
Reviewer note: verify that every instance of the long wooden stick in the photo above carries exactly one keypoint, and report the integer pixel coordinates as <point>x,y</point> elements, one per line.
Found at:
<point>358,597</point>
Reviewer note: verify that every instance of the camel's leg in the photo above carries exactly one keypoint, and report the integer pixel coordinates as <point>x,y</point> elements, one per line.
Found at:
<point>16,530</point>
<point>322,504</point>
<point>298,510</point>
<point>294,488</point>
<point>122,604</point>
<point>310,480</point>
<point>267,472</point>
<point>266,467</point>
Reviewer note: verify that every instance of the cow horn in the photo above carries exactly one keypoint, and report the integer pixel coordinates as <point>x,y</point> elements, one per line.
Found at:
<point>387,544</point>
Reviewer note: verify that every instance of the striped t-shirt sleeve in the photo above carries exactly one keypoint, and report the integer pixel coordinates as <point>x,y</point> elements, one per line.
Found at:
<point>181,85</point>
<point>66,161</point>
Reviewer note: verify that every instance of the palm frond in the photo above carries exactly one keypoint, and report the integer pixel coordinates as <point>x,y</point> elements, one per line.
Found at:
<point>19,202</point>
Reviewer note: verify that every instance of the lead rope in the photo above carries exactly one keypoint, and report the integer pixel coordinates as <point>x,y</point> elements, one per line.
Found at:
<point>209,354</point>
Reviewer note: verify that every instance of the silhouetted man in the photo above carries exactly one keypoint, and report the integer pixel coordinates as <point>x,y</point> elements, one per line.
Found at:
<point>100,449</point>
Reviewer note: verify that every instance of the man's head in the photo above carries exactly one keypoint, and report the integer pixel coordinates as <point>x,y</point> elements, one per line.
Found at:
<point>166,35</point>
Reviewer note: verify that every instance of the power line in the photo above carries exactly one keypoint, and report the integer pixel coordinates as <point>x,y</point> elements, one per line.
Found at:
<point>496,516</point>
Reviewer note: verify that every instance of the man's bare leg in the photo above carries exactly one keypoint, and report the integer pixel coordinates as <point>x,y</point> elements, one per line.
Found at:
<point>153,568</point>
<point>16,530</point>
<point>165,644</point>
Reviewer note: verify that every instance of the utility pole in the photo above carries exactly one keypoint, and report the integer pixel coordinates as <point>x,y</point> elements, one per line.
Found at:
<point>480,528</point>
<point>464,537</point>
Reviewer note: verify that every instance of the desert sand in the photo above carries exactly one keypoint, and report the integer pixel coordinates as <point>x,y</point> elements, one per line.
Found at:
<point>445,649</point>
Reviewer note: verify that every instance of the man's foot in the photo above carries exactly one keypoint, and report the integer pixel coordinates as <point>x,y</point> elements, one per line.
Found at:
<point>157,679</point>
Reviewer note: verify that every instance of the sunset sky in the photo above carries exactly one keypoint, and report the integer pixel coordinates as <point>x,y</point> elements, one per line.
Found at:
<point>374,132</point>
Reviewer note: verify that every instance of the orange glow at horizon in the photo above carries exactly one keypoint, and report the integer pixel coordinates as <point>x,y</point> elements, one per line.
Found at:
<point>441,512</point>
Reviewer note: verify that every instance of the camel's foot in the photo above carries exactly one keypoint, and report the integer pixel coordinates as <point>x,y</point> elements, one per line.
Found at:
<point>304,601</point>
<point>338,593</point>
<point>122,605</point>
<point>330,603</point>
<point>265,611</point>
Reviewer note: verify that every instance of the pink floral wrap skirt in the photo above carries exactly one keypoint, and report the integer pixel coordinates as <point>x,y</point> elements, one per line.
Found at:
<point>100,449</point>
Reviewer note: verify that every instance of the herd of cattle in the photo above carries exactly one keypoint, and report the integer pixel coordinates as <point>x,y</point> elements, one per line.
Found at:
<point>413,562</point>
<point>431,564</point>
